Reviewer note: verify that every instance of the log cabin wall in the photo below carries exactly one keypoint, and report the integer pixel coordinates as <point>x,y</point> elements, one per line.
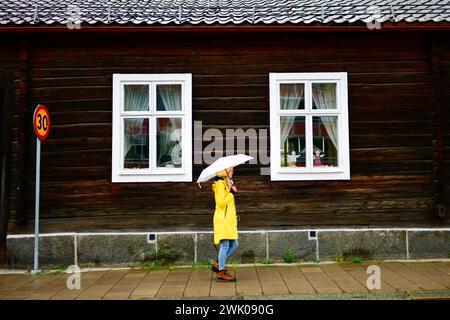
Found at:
<point>389,123</point>
<point>10,72</point>
<point>444,69</point>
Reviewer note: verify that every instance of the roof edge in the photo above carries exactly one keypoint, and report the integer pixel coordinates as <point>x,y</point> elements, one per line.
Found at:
<point>313,27</point>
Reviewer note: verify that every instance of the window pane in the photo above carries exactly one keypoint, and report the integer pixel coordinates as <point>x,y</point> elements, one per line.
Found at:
<point>136,97</point>
<point>168,97</point>
<point>325,140</point>
<point>168,140</point>
<point>292,96</point>
<point>136,143</point>
<point>292,143</point>
<point>324,95</point>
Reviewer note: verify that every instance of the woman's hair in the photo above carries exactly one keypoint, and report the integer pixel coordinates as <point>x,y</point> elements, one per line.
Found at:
<point>223,173</point>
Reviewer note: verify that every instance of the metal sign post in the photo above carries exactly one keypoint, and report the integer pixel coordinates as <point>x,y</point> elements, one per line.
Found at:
<point>36,207</point>
<point>41,124</point>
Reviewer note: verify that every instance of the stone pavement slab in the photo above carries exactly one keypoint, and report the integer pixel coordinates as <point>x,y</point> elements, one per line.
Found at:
<point>441,266</point>
<point>432,273</point>
<point>149,286</point>
<point>271,281</point>
<point>125,287</point>
<point>418,278</point>
<point>319,280</point>
<point>87,279</point>
<point>100,287</point>
<point>50,290</point>
<point>359,273</point>
<point>9,283</point>
<point>296,281</point>
<point>346,282</point>
<point>175,284</point>
<point>199,284</point>
<point>248,282</point>
<point>399,280</point>
<point>395,280</point>
<point>38,282</point>
<point>222,289</point>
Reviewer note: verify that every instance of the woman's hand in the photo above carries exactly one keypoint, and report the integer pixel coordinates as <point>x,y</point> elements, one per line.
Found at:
<point>233,187</point>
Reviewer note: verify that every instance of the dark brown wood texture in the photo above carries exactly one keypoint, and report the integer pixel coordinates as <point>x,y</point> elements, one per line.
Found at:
<point>437,124</point>
<point>8,85</point>
<point>6,95</point>
<point>390,128</point>
<point>23,136</point>
<point>444,71</point>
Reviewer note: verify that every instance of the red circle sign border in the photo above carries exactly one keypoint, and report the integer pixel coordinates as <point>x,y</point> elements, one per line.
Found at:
<point>39,108</point>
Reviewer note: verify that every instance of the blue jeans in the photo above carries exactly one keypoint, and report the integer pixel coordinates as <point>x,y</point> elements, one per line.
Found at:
<point>227,247</point>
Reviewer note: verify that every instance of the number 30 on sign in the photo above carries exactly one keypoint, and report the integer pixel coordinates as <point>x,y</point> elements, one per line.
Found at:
<point>41,122</point>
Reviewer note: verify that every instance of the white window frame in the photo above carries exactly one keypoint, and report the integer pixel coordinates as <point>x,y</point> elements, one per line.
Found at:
<point>152,174</point>
<point>342,171</point>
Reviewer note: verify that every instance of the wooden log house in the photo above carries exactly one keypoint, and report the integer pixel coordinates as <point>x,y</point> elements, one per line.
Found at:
<point>393,83</point>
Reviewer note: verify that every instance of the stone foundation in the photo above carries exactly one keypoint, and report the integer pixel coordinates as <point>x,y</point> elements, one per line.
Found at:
<point>106,249</point>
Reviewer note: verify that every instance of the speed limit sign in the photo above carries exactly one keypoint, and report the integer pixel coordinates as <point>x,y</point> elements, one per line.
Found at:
<point>41,122</point>
<point>41,125</point>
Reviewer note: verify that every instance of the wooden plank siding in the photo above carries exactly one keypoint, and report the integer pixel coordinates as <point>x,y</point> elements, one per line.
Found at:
<point>389,123</point>
<point>6,97</point>
<point>9,65</point>
<point>445,100</point>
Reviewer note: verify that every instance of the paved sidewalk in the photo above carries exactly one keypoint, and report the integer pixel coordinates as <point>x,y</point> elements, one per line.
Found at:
<point>400,280</point>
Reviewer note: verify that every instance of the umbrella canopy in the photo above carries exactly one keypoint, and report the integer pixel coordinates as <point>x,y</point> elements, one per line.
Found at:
<point>221,164</point>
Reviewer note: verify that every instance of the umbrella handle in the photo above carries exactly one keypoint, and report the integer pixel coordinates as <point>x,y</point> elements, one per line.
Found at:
<point>199,185</point>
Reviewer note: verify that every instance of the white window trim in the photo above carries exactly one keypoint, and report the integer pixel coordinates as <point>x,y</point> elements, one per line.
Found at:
<point>342,172</point>
<point>184,174</point>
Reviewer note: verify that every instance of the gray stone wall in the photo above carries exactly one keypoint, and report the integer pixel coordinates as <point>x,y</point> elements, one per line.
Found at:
<point>269,246</point>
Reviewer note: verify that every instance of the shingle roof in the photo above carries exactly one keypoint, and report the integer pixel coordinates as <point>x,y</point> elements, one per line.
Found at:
<point>221,11</point>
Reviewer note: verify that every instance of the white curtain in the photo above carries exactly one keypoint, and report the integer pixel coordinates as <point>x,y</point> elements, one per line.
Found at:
<point>171,97</point>
<point>291,96</point>
<point>136,99</point>
<point>324,96</point>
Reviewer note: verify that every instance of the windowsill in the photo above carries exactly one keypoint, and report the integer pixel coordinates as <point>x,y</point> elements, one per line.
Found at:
<point>314,170</point>
<point>138,172</point>
<point>152,177</point>
<point>308,175</point>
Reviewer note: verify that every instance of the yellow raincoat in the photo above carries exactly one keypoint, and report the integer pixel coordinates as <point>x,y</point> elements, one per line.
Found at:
<point>225,221</point>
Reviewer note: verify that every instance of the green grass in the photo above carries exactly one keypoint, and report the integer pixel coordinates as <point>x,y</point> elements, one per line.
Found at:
<point>205,264</point>
<point>265,261</point>
<point>233,264</point>
<point>338,258</point>
<point>289,256</point>
<point>151,266</point>
<point>61,268</point>
<point>357,260</point>
<point>154,265</point>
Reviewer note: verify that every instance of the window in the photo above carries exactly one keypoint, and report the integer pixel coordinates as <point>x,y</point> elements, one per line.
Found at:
<point>152,128</point>
<point>309,126</point>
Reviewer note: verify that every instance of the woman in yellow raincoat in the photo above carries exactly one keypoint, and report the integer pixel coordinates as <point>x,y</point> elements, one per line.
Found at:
<point>225,222</point>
